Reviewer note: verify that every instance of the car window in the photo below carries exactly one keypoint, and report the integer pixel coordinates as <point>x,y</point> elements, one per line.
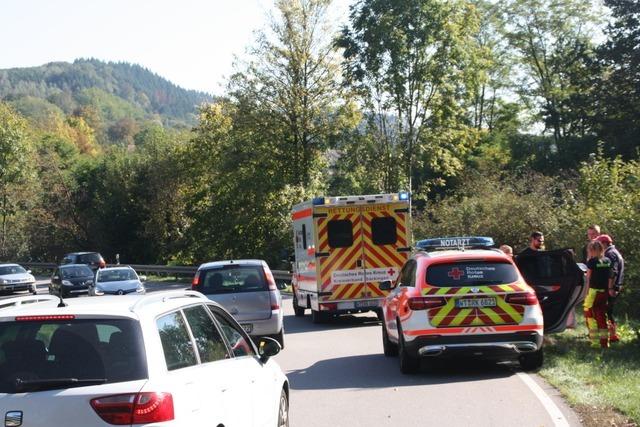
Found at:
<point>110,350</point>
<point>116,275</point>
<point>383,231</point>
<point>176,343</point>
<point>11,269</point>
<point>471,273</point>
<point>407,275</point>
<point>233,278</point>
<point>209,342</point>
<point>90,258</point>
<point>75,272</point>
<point>340,233</point>
<point>67,260</point>
<point>238,341</point>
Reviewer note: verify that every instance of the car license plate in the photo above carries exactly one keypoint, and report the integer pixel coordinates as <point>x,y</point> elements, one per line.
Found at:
<point>365,304</point>
<point>475,302</point>
<point>248,327</point>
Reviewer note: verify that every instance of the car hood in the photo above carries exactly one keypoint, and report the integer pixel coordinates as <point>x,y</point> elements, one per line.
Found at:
<point>17,277</point>
<point>125,285</point>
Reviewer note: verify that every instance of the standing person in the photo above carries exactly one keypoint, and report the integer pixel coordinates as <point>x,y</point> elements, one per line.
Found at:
<point>536,243</point>
<point>599,273</point>
<point>592,233</point>
<point>615,288</point>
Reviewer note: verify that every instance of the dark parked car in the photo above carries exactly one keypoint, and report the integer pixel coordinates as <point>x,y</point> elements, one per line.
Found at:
<point>93,259</point>
<point>71,279</point>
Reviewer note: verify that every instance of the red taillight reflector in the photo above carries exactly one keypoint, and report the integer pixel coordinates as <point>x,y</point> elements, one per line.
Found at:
<point>45,317</point>
<point>270,280</point>
<point>425,303</point>
<point>528,298</point>
<point>134,408</point>
<point>274,306</point>
<point>329,307</point>
<point>196,281</point>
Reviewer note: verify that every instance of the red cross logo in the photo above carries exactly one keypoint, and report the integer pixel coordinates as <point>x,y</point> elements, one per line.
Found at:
<point>391,272</point>
<point>455,273</point>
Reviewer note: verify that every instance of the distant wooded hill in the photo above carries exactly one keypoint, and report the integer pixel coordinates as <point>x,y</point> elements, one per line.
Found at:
<point>116,92</point>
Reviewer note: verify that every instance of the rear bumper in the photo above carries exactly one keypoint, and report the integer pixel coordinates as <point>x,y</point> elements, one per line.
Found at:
<point>270,326</point>
<point>485,345</point>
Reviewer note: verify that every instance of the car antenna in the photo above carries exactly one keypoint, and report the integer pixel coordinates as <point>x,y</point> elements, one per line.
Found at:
<point>61,303</point>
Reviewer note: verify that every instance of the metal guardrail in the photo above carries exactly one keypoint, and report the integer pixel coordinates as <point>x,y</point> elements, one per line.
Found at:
<point>169,270</point>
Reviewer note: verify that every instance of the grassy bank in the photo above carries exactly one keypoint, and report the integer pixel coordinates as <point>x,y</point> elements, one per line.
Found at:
<point>603,385</point>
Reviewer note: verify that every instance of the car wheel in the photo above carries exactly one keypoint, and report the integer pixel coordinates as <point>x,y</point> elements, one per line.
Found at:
<point>318,317</point>
<point>280,338</point>
<point>390,349</point>
<point>283,410</point>
<point>408,363</point>
<point>532,361</point>
<point>298,311</point>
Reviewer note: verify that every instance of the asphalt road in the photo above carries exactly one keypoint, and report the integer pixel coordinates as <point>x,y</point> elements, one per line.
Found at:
<point>339,377</point>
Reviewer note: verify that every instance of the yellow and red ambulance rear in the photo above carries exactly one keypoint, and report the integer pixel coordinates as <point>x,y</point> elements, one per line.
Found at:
<point>461,297</point>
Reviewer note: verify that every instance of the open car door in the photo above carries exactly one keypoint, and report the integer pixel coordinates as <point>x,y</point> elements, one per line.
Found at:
<point>558,281</point>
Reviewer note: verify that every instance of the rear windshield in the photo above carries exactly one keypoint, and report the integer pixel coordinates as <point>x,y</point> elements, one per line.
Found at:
<point>100,350</point>
<point>233,278</point>
<point>116,275</point>
<point>11,269</point>
<point>474,273</point>
<point>75,272</point>
<point>89,258</point>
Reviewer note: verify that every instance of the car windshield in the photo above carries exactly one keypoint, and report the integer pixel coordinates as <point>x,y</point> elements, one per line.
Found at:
<point>76,271</point>
<point>233,278</point>
<point>474,273</point>
<point>11,269</point>
<point>116,275</point>
<point>46,355</point>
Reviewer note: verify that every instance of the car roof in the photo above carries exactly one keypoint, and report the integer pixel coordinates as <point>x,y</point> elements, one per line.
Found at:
<point>73,265</point>
<point>121,267</point>
<point>463,255</point>
<point>81,253</point>
<point>131,306</point>
<point>232,262</point>
<point>10,265</point>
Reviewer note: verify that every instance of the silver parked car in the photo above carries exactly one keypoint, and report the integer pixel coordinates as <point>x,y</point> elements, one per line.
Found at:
<point>247,289</point>
<point>14,277</point>
<point>117,281</point>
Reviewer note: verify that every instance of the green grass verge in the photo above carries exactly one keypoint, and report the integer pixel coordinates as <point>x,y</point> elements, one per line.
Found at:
<point>594,378</point>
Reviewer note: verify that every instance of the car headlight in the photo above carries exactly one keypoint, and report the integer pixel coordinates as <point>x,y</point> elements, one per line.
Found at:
<point>67,283</point>
<point>3,282</point>
<point>89,282</point>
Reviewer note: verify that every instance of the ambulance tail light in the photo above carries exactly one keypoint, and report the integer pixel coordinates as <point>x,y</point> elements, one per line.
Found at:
<point>195,284</point>
<point>426,303</point>
<point>528,298</point>
<point>332,306</point>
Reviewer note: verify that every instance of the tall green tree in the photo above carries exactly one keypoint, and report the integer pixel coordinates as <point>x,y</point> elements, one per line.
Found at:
<point>15,153</point>
<point>294,77</point>
<point>409,62</point>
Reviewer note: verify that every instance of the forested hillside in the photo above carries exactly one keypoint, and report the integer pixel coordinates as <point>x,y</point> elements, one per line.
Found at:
<point>108,92</point>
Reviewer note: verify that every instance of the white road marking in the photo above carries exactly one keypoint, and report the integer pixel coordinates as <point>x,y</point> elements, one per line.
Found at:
<point>552,409</point>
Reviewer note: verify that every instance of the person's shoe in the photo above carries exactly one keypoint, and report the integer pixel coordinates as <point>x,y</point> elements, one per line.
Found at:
<point>614,338</point>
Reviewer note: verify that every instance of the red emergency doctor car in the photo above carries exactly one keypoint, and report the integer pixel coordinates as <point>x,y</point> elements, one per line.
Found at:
<point>461,296</point>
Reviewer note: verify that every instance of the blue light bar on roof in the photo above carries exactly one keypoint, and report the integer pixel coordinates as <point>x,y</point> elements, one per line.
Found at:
<point>455,243</point>
<point>318,201</point>
<point>403,195</point>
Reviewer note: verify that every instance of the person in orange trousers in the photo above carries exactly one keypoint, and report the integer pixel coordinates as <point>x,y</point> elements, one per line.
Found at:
<point>599,274</point>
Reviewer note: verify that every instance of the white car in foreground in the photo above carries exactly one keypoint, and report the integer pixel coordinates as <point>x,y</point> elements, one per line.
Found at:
<point>170,358</point>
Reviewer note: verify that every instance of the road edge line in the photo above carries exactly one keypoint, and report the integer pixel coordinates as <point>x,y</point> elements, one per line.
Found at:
<point>558,418</point>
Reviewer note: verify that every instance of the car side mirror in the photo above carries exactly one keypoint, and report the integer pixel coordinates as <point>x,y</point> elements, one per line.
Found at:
<point>280,284</point>
<point>268,347</point>
<point>386,285</point>
<point>55,278</point>
<point>28,271</point>
<point>143,278</point>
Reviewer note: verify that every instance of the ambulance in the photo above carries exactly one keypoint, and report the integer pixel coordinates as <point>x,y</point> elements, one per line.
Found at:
<point>344,247</point>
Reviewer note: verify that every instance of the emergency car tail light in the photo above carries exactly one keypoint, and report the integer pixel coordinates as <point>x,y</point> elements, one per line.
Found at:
<point>196,281</point>
<point>425,303</point>
<point>528,298</point>
<point>134,408</point>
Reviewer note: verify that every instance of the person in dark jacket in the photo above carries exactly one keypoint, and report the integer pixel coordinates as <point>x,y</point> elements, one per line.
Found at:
<point>617,265</point>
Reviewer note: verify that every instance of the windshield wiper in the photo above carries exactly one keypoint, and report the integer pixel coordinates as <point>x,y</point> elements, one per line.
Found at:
<point>53,383</point>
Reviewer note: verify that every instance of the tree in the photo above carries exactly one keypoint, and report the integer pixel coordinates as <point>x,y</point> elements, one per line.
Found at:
<point>15,152</point>
<point>409,63</point>
<point>551,38</point>
<point>293,78</point>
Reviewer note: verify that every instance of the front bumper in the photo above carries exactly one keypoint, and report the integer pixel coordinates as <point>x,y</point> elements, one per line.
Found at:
<point>15,287</point>
<point>498,346</point>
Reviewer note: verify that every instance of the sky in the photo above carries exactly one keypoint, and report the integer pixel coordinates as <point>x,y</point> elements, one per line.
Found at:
<point>192,43</point>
